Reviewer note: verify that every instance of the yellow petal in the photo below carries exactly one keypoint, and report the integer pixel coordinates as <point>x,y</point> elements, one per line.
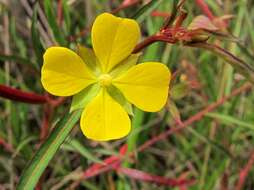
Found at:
<point>145,85</point>
<point>64,73</point>
<point>113,39</point>
<point>104,119</point>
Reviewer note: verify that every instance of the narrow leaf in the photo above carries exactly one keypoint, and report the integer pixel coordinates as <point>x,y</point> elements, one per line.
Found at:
<point>58,34</point>
<point>145,11</point>
<point>19,60</point>
<point>84,151</point>
<point>38,48</point>
<point>227,119</point>
<point>48,149</point>
<point>242,67</point>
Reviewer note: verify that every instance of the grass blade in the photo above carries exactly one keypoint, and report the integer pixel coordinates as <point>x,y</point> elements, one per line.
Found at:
<point>18,60</point>
<point>227,119</point>
<point>84,152</point>
<point>142,13</point>
<point>48,149</point>
<point>38,48</point>
<point>242,67</point>
<point>53,23</point>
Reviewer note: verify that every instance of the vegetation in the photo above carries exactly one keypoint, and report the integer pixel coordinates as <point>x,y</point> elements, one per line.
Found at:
<point>202,139</point>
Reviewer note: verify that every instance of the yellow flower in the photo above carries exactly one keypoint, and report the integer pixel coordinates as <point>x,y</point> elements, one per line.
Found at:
<point>65,73</point>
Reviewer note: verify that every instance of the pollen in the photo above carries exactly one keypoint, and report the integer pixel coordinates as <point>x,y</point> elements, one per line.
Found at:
<point>105,80</point>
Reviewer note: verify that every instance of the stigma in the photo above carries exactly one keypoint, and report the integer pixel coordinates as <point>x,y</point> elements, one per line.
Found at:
<point>105,80</point>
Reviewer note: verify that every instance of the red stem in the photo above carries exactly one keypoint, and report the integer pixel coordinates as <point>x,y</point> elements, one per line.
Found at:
<point>59,13</point>
<point>7,146</point>
<point>140,175</point>
<point>160,14</point>
<point>125,5</point>
<point>18,95</point>
<point>244,172</point>
<point>180,19</point>
<point>202,4</point>
<point>152,39</point>
<point>48,111</point>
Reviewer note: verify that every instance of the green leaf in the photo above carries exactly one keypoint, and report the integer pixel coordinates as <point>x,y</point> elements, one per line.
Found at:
<point>145,11</point>
<point>48,149</point>
<point>80,100</point>
<point>84,151</point>
<point>119,97</point>
<point>133,137</point>
<point>38,48</point>
<point>58,33</point>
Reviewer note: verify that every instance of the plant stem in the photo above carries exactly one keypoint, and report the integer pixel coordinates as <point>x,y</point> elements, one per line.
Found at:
<point>18,95</point>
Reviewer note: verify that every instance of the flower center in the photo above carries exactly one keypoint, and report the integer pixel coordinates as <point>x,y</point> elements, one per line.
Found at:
<point>105,80</point>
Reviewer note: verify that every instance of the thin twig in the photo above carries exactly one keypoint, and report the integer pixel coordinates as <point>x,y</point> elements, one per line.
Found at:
<point>202,4</point>
<point>6,145</point>
<point>144,176</point>
<point>244,172</point>
<point>18,95</point>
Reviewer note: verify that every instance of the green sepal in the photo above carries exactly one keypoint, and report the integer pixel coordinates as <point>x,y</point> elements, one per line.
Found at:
<point>179,91</point>
<point>172,108</point>
<point>80,100</point>
<point>88,56</point>
<point>125,65</point>
<point>117,95</point>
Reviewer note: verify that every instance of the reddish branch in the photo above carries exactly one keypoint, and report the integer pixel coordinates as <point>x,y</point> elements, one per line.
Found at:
<point>244,173</point>
<point>108,164</point>
<point>59,13</point>
<point>47,114</point>
<point>28,97</point>
<point>114,162</point>
<point>125,4</point>
<point>144,176</point>
<point>18,95</point>
<point>160,14</point>
<point>202,4</point>
<point>7,146</point>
